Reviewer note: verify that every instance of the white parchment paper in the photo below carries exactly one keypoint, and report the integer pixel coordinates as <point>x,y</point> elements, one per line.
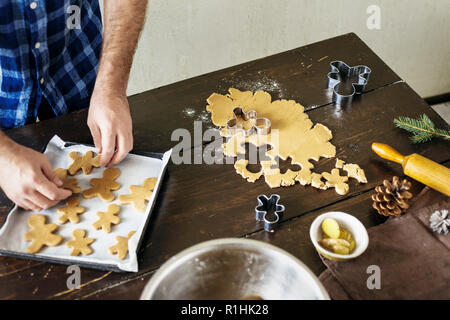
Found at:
<point>134,169</point>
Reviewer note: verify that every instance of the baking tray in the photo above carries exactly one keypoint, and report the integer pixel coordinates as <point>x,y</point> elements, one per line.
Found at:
<point>82,260</point>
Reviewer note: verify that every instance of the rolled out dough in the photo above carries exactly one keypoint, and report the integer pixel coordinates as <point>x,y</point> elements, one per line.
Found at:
<point>293,135</point>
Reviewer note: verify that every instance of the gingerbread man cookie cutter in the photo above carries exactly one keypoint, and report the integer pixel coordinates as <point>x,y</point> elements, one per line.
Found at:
<point>340,70</point>
<point>260,126</point>
<point>264,205</point>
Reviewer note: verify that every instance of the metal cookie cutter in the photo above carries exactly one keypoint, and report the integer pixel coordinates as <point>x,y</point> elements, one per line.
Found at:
<point>260,125</point>
<point>264,205</point>
<point>339,68</point>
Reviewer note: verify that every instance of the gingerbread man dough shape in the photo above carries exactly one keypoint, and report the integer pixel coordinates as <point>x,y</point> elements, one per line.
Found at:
<point>41,234</point>
<point>107,218</point>
<point>140,195</point>
<point>80,244</point>
<point>68,183</point>
<point>102,187</point>
<point>84,162</point>
<point>336,181</point>
<point>70,211</point>
<point>121,247</point>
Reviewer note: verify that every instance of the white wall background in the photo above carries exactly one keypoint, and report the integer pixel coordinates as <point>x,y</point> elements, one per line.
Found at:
<point>185,38</point>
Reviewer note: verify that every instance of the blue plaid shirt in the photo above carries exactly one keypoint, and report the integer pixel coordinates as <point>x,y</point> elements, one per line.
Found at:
<point>48,48</point>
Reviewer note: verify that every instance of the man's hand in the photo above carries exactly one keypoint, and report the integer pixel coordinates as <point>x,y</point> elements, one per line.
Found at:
<point>110,123</point>
<point>109,113</point>
<point>27,177</point>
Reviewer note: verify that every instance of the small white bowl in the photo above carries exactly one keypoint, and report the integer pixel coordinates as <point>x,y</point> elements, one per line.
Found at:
<point>346,221</point>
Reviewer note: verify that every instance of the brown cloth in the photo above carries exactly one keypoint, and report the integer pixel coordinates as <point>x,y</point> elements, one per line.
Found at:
<point>414,261</point>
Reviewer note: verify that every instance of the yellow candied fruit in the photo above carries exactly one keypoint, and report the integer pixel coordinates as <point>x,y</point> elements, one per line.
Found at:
<point>346,235</point>
<point>329,242</point>
<point>341,250</point>
<point>331,228</point>
<point>336,239</point>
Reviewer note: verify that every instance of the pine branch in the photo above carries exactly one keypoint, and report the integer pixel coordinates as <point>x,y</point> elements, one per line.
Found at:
<point>423,129</point>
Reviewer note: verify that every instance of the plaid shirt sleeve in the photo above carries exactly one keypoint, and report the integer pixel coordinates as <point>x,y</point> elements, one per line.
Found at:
<point>48,48</point>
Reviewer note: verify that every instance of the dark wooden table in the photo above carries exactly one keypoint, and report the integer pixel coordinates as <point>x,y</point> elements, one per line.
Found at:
<point>202,202</point>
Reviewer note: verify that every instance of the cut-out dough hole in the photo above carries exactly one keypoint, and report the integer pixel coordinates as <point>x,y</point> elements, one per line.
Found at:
<point>254,155</point>
<point>285,165</point>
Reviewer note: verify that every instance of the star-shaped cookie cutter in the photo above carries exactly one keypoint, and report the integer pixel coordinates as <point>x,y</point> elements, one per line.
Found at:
<point>340,68</point>
<point>260,126</point>
<point>264,205</point>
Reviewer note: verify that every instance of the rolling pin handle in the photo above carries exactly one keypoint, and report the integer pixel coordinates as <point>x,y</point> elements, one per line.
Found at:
<point>387,152</point>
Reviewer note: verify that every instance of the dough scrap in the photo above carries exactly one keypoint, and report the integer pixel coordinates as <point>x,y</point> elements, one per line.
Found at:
<point>68,182</point>
<point>121,247</point>
<point>80,244</point>
<point>336,181</point>
<point>102,187</point>
<point>140,195</point>
<point>70,211</point>
<point>355,172</point>
<point>84,162</point>
<point>106,219</point>
<point>41,234</point>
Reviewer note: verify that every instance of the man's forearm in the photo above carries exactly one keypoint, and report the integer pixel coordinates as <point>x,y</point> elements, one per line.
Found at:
<point>5,143</point>
<point>123,22</point>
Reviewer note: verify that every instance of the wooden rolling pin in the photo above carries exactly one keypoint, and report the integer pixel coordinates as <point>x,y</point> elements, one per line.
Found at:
<point>417,167</point>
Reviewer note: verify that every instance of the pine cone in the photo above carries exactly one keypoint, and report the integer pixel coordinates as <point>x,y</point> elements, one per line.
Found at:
<point>392,197</point>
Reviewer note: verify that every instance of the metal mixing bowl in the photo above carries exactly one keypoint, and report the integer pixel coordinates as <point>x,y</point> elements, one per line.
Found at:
<point>232,269</point>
